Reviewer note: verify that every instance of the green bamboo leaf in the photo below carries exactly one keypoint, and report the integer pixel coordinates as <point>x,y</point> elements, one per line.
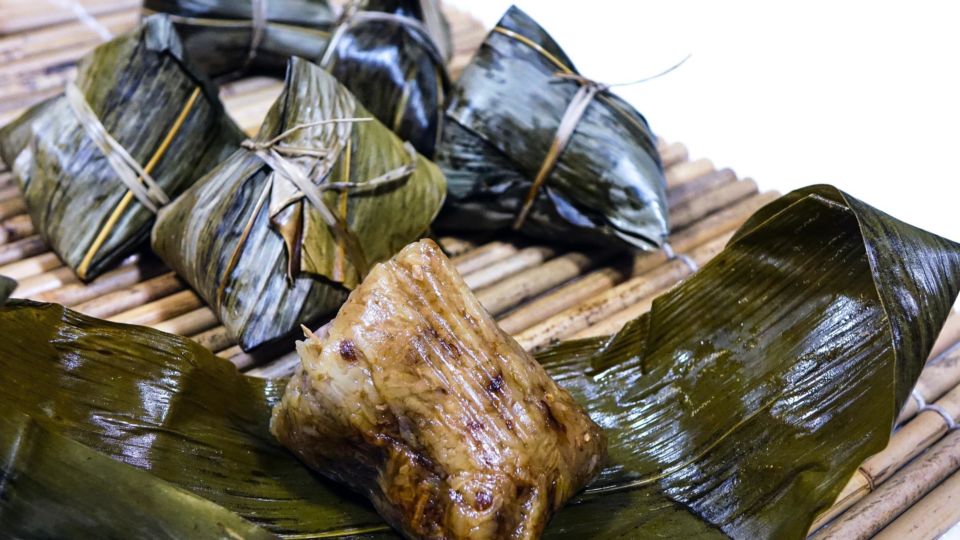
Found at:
<point>7,286</point>
<point>54,487</point>
<point>738,406</point>
<point>502,122</point>
<point>395,66</point>
<point>144,92</point>
<point>261,254</point>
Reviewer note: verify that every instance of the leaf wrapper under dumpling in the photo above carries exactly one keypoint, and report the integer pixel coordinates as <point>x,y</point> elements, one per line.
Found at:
<point>503,114</point>
<point>396,70</point>
<point>148,97</point>
<point>739,406</point>
<point>258,252</point>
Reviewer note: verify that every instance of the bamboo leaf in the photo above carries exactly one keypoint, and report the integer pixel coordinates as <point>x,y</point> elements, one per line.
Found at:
<point>47,476</point>
<point>264,254</point>
<point>503,120</point>
<point>738,406</point>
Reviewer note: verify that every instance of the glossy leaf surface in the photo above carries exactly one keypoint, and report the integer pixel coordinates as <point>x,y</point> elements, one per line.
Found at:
<point>739,406</point>
<point>502,118</point>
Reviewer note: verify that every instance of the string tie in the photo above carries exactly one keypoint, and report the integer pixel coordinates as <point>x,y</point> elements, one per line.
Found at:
<point>139,181</point>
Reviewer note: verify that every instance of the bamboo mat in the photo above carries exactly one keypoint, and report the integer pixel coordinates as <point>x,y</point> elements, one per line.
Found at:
<point>539,293</point>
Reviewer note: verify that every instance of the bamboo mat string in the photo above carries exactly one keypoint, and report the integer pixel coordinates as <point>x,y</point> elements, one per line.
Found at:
<point>682,257</point>
<point>84,17</point>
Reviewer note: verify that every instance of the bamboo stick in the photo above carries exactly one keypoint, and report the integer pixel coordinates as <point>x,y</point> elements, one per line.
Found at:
<point>695,188</point>
<point>21,249</point>
<point>673,154</point>
<point>192,322</point>
<point>561,299</point>
<point>483,256</point>
<point>61,36</point>
<point>160,310</point>
<point>124,276</point>
<point>31,15</point>
<point>602,280</point>
<point>12,207</point>
<point>501,296</point>
<point>521,260</point>
<point>16,228</point>
<point>880,507</point>
<point>455,246</point>
<point>613,323</point>
<point>725,195</point>
<point>131,297</point>
<point>682,173</point>
<point>47,281</point>
<point>32,266</point>
<point>575,319</point>
<point>215,339</point>
<point>281,367</point>
<point>933,516</point>
<point>911,439</point>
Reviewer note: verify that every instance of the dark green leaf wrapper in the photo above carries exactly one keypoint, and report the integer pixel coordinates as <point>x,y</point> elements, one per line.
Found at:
<point>137,85</point>
<point>7,286</point>
<point>291,269</point>
<point>218,34</point>
<point>396,71</point>
<point>607,187</point>
<point>739,406</point>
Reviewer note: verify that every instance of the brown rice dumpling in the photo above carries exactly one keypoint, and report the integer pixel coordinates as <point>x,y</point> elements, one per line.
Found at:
<point>418,400</point>
<point>531,144</point>
<point>278,234</point>
<point>389,53</point>
<point>134,130</point>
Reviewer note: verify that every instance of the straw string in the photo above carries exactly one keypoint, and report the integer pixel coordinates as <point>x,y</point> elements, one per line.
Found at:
<point>352,16</point>
<point>587,91</point>
<point>258,27</point>
<point>84,17</point>
<point>137,180</point>
<point>279,156</point>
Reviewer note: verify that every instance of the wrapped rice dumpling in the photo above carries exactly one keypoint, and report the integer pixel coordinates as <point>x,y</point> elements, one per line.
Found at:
<point>529,143</point>
<point>228,38</point>
<point>279,233</point>
<point>134,130</point>
<point>418,400</point>
<point>387,52</point>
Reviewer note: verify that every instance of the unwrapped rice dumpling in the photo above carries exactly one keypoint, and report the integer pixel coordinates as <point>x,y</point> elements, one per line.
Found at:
<point>531,144</point>
<point>134,130</point>
<point>418,400</point>
<point>387,52</point>
<point>280,232</point>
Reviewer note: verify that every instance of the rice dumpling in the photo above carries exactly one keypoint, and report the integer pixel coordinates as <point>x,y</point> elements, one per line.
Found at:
<point>384,51</point>
<point>279,232</point>
<point>531,144</point>
<point>134,130</point>
<point>230,38</point>
<point>418,400</point>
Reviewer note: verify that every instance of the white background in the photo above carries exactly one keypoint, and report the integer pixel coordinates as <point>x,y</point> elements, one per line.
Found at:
<point>862,95</point>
